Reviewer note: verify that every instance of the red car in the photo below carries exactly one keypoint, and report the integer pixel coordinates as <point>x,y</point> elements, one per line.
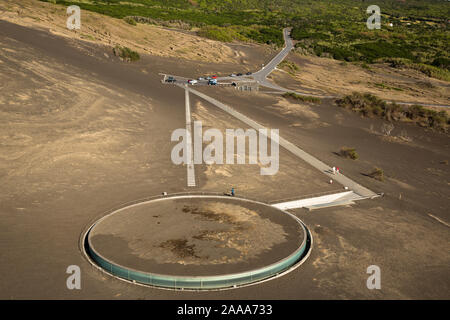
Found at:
<point>214,77</point>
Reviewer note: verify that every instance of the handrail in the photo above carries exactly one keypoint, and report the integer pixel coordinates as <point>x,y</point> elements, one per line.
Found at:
<point>198,282</point>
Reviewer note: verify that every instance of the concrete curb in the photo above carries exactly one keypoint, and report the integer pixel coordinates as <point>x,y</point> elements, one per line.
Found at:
<point>300,255</point>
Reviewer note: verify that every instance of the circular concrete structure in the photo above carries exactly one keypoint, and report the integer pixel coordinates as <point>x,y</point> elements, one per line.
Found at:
<point>197,242</point>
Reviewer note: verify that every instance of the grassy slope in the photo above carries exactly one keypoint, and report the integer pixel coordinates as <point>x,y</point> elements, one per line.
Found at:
<point>337,29</point>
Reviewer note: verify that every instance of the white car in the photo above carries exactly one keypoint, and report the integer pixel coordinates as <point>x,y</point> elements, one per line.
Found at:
<point>192,81</point>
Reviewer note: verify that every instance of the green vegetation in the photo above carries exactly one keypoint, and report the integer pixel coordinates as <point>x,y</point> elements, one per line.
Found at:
<point>243,33</point>
<point>419,35</point>
<point>428,117</point>
<point>246,20</point>
<point>289,66</point>
<point>295,96</point>
<point>365,66</point>
<point>347,152</point>
<point>441,72</point>
<point>218,33</point>
<point>178,24</point>
<point>130,20</point>
<point>126,53</point>
<point>377,174</point>
<point>388,87</point>
<point>87,36</point>
<point>371,106</point>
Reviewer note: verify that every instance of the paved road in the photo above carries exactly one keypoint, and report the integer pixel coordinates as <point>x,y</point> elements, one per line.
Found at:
<point>261,76</point>
<point>267,69</point>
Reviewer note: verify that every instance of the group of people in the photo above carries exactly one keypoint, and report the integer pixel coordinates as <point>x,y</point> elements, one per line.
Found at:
<point>335,170</point>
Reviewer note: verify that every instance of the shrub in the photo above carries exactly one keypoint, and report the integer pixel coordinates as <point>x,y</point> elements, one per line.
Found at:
<point>381,48</point>
<point>243,33</point>
<point>126,53</point>
<point>428,117</point>
<point>377,174</point>
<point>295,96</point>
<point>366,104</point>
<point>291,67</point>
<point>415,112</point>
<point>335,28</point>
<point>393,112</point>
<point>441,62</point>
<point>365,66</point>
<point>438,70</point>
<point>370,106</point>
<point>216,33</point>
<point>130,20</point>
<point>349,153</point>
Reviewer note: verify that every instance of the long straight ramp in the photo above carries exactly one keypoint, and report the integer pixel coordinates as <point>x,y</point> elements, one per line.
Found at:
<point>358,189</point>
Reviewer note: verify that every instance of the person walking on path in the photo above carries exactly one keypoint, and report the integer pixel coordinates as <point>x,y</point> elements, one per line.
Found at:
<point>232,192</point>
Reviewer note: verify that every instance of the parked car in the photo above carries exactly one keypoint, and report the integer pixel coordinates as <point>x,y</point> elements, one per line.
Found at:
<point>212,82</point>
<point>214,77</point>
<point>192,81</point>
<point>201,78</point>
<point>171,79</point>
<point>208,78</point>
<point>232,75</point>
<point>248,73</point>
<point>239,74</point>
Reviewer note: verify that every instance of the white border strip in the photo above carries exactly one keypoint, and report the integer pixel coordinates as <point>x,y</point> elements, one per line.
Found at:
<point>292,268</point>
<point>189,148</point>
<point>329,198</point>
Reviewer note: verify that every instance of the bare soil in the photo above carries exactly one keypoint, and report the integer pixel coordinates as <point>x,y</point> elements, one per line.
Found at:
<point>328,76</point>
<point>144,38</point>
<point>82,133</point>
<point>196,236</point>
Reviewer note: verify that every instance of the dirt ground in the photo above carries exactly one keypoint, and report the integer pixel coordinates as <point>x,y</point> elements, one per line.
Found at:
<point>144,38</point>
<point>195,236</point>
<point>292,173</point>
<point>82,133</point>
<point>395,231</point>
<point>329,76</point>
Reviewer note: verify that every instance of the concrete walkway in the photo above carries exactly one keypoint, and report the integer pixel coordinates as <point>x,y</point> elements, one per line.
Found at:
<point>189,148</point>
<point>325,201</point>
<point>361,191</point>
<point>260,76</point>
